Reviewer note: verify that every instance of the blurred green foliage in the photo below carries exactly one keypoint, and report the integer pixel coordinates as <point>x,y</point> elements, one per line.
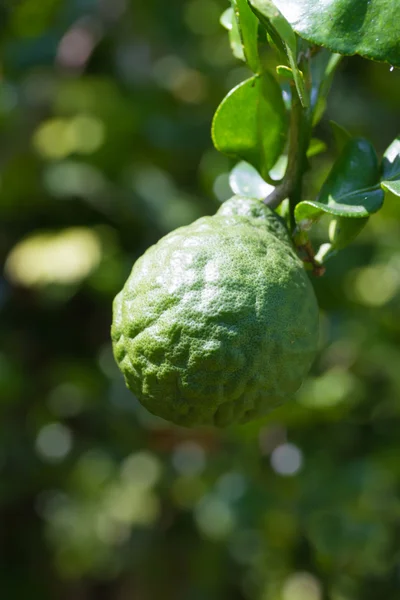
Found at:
<point>105,114</point>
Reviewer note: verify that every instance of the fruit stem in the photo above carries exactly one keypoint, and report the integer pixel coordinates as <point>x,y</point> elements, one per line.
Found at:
<point>299,135</point>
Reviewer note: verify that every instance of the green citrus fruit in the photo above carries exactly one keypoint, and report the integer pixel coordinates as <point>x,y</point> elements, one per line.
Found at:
<point>218,322</point>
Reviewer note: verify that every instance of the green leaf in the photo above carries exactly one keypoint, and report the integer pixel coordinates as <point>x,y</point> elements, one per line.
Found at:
<point>315,147</point>
<point>279,169</point>
<point>343,230</point>
<point>251,123</point>
<point>355,169</point>
<point>247,24</point>
<point>246,181</point>
<point>392,186</point>
<point>228,20</point>
<point>366,27</point>
<point>391,168</point>
<point>272,18</point>
<point>323,68</point>
<point>391,161</point>
<point>359,204</point>
<point>351,188</point>
<point>285,72</point>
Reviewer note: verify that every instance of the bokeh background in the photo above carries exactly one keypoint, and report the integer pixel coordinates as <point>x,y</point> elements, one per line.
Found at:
<point>105,112</point>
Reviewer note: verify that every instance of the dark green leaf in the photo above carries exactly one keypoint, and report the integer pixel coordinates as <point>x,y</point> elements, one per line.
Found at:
<point>247,24</point>
<point>361,203</point>
<point>366,27</point>
<point>273,19</point>
<point>355,169</point>
<point>250,123</point>
<point>351,188</point>
<point>246,181</point>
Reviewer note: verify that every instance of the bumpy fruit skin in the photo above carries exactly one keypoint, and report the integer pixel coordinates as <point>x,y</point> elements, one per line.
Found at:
<point>218,322</point>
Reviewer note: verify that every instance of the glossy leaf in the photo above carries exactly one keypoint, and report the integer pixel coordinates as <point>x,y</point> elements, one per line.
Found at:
<point>366,27</point>
<point>392,186</point>
<point>351,188</point>
<point>247,24</point>
<point>391,161</point>
<point>391,168</point>
<point>355,169</point>
<point>250,123</point>
<point>246,181</point>
<point>361,203</point>
<point>273,19</point>
<point>228,20</point>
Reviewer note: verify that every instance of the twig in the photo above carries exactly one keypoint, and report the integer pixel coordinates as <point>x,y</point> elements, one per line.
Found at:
<point>298,142</point>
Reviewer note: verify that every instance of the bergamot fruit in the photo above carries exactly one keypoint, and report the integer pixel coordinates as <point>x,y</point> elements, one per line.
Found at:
<point>218,321</point>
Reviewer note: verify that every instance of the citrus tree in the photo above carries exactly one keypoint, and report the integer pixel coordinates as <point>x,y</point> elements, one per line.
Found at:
<point>217,322</point>
<point>105,114</point>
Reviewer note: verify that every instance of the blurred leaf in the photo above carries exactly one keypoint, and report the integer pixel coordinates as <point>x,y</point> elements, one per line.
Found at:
<point>332,388</point>
<point>246,181</point>
<point>250,123</point>
<point>247,24</point>
<point>347,27</point>
<point>271,18</point>
<point>30,18</point>
<point>62,258</point>
<point>344,538</point>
